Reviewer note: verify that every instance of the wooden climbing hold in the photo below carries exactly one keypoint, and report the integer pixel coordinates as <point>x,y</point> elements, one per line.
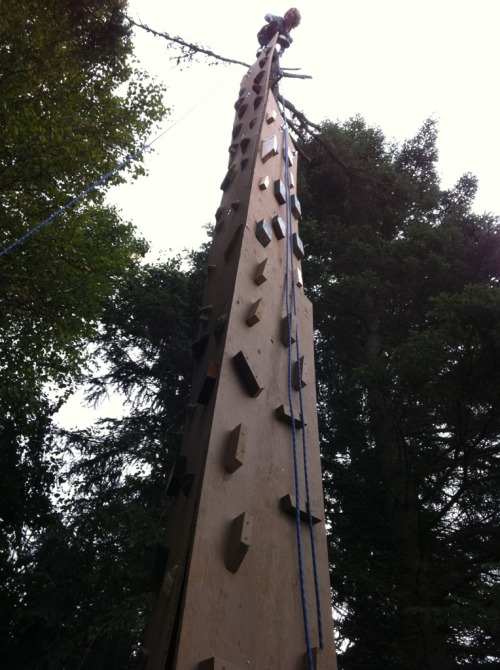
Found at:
<point>217,664</point>
<point>257,101</point>
<point>299,375</point>
<point>280,191</point>
<point>295,206</point>
<point>231,173</point>
<point>279,227</point>
<point>240,536</point>
<point>287,331</point>
<point>242,110</point>
<point>244,144</point>
<point>174,480</point>
<point>298,247</point>
<point>284,413</point>
<point>270,148</point>
<point>236,448</point>
<point>208,383</point>
<point>232,243</point>
<point>289,505</point>
<point>264,183</point>
<point>247,376</point>
<point>236,130</point>
<point>255,313</point>
<point>263,232</point>
<point>271,118</point>
<point>260,273</point>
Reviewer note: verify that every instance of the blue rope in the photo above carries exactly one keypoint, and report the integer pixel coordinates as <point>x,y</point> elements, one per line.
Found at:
<point>289,265</point>
<point>299,374</point>
<point>294,438</point>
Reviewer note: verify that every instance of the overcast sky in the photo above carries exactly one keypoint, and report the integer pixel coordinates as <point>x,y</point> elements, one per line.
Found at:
<point>396,63</point>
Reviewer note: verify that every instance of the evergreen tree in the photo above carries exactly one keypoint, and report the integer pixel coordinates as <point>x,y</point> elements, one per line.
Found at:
<point>72,108</point>
<point>404,278</point>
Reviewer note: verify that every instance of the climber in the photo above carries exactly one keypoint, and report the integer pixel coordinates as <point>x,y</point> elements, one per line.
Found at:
<point>281,25</point>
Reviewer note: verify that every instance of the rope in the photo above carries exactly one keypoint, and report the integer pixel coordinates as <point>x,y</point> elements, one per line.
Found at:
<point>289,261</point>
<point>289,270</point>
<point>145,147</point>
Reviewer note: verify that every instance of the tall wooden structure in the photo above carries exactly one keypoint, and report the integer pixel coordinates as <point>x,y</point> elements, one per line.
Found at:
<point>231,595</point>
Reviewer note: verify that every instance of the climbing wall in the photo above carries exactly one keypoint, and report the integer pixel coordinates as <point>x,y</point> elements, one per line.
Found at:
<point>231,595</point>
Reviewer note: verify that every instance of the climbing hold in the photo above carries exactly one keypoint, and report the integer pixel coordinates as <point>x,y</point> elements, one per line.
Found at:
<point>288,504</point>
<point>255,313</point>
<point>280,191</point>
<point>295,205</point>
<point>264,183</point>
<point>271,118</point>
<point>263,233</point>
<point>217,664</point>
<point>198,347</point>
<point>260,273</point>
<point>236,447</point>
<point>234,239</point>
<point>174,480</point>
<point>231,173</point>
<point>247,377</point>
<point>279,227</point>
<point>204,312</point>
<point>288,154</point>
<point>240,536</point>
<point>237,130</point>
<point>298,247</point>
<point>284,413</point>
<point>270,148</point>
<point>220,324</point>
<point>208,383</point>
<point>287,331</point>
<point>299,371</point>
<point>244,144</point>
<point>242,110</point>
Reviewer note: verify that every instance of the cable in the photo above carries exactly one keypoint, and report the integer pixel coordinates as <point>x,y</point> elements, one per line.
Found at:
<point>288,264</point>
<point>96,184</point>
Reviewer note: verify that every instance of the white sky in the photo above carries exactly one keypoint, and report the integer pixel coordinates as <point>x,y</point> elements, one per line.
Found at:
<point>394,62</point>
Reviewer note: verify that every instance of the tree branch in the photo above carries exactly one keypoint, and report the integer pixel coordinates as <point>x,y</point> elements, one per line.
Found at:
<point>188,49</point>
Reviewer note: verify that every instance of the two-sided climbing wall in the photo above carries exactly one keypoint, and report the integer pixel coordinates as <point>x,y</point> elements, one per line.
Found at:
<point>247,580</point>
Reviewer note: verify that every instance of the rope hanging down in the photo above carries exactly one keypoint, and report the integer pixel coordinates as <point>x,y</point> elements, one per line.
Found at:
<point>289,281</point>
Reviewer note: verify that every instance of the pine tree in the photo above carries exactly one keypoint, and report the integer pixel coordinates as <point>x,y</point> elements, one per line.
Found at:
<point>404,278</point>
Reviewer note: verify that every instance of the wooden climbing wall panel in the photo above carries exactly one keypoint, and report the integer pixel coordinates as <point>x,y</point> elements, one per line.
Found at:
<point>231,594</point>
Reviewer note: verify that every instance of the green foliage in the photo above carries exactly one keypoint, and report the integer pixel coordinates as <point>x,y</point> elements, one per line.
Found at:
<point>73,107</point>
<point>404,277</point>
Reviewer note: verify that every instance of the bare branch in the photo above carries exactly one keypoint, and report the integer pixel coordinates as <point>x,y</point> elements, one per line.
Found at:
<point>188,49</point>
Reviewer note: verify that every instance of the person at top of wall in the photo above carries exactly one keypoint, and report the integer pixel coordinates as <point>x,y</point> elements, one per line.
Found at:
<point>278,24</point>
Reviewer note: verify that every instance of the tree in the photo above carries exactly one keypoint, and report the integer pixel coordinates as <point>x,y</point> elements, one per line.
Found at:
<point>73,108</point>
<point>404,278</point>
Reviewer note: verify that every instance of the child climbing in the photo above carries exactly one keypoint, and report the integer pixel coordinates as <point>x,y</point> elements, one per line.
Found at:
<point>278,24</point>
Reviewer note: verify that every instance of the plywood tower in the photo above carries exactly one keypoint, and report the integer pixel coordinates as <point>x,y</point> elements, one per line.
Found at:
<point>235,593</point>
